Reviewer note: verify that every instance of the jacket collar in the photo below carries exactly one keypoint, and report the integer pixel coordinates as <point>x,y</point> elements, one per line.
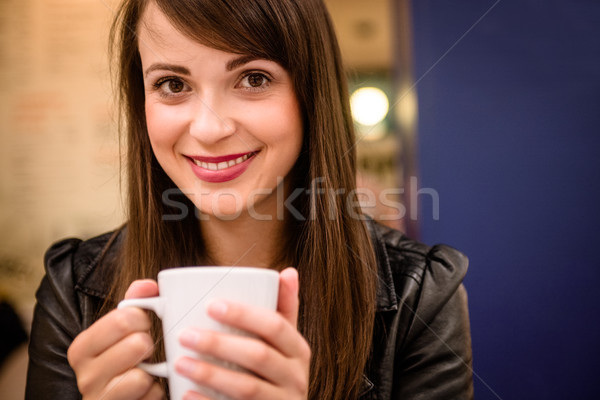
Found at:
<point>96,281</point>
<point>386,291</point>
<point>98,268</point>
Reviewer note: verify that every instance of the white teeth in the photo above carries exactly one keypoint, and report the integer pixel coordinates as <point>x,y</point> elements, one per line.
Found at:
<point>221,165</point>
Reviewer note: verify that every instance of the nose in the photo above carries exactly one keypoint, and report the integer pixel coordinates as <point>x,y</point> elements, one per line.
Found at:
<point>210,122</point>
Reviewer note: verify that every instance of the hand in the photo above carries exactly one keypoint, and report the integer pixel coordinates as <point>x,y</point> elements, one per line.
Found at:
<point>278,359</point>
<point>104,356</point>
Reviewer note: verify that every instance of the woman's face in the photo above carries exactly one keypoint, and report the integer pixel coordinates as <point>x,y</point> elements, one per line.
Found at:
<point>224,127</point>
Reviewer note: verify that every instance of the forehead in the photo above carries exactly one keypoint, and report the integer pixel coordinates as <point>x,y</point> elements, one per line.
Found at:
<point>244,32</point>
<point>160,41</point>
<point>155,27</point>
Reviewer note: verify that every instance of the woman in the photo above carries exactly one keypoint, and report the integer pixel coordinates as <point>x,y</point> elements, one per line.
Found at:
<point>238,127</point>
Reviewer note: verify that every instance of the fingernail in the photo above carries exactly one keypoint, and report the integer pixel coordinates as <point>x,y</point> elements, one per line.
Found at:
<point>185,366</point>
<point>218,308</point>
<point>189,337</point>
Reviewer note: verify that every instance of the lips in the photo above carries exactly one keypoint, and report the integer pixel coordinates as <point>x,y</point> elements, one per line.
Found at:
<point>221,169</point>
<point>221,163</point>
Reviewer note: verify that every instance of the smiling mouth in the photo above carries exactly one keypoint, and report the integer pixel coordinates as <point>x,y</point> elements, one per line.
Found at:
<point>219,166</point>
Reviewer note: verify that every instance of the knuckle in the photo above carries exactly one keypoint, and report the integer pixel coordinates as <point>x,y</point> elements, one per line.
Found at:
<point>278,326</point>
<point>140,343</point>
<point>122,321</point>
<point>261,354</point>
<point>131,318</point>
<point>301,383</point>
<point>249,389</point>
<point>141,381</point>
<point>85,383</point>
<point>305,351</point>
<point>155,392</point>
<point>203,374</point>
<point>73,354</point>
<point>209,343</point>
<point>301,380</point>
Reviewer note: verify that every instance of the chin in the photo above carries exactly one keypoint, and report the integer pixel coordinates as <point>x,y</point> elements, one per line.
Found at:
<point>224,208</point>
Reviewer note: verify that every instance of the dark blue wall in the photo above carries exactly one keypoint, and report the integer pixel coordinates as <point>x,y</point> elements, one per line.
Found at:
<point>509,136</point>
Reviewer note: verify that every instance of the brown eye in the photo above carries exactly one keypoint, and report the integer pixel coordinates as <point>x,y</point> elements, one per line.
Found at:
<point>256,80</point>
<point>175,86</point>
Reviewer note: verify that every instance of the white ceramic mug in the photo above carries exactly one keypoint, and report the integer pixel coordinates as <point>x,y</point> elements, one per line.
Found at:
<point>184,295</point>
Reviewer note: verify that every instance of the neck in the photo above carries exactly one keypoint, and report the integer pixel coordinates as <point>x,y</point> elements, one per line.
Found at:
<point>244,241</point>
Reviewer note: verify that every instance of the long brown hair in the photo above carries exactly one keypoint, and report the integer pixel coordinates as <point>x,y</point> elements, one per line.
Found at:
<point>332,251</point>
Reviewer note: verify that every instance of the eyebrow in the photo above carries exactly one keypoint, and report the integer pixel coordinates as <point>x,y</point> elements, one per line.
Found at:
<point>231,65</point>
<point>168,67</point>
<point>239,61</point>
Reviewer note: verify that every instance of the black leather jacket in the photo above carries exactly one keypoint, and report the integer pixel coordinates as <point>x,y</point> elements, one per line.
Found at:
<point>421,348</point>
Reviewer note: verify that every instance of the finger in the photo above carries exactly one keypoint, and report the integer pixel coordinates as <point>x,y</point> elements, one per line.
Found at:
<point>114,326</point>
<point>247,352</point>
<point>220,379</point>
<point>288,301</point>
<point>195,396</point>
<point>121,357</point>
<point>273,328</point>
<point>107,331</point>
<point>132,384</point>
<point>142,288</point>
<point>156,392</point>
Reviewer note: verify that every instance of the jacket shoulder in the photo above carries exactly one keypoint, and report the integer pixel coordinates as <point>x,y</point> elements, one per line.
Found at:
<point>61,313</point>
<point>413,258</point>
<point>426,332</point>
<point>71,262</point>
<point>424,277</point>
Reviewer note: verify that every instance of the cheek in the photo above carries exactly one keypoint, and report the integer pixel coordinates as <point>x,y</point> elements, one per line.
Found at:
<point>164,125</point>
<point>284,126</point>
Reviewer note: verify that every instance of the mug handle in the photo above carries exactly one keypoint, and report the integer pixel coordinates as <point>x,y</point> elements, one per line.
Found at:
<point>155,304</point>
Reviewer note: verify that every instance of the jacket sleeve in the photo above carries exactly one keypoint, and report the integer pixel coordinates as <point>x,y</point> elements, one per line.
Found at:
<point>434,360</point>
<point>56,322</point>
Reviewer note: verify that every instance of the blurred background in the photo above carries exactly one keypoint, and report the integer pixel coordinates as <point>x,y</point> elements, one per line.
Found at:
<point>481,117</point>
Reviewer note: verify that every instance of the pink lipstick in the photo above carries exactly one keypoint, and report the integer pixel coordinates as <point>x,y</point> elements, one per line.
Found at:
<point>222,168</point>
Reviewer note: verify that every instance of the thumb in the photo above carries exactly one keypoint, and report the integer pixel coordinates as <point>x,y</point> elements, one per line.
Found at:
<point>142,288</point>
<point>288,301</point>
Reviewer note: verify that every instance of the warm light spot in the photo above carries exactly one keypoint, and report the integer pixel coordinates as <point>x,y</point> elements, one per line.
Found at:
<point>369,106</point>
